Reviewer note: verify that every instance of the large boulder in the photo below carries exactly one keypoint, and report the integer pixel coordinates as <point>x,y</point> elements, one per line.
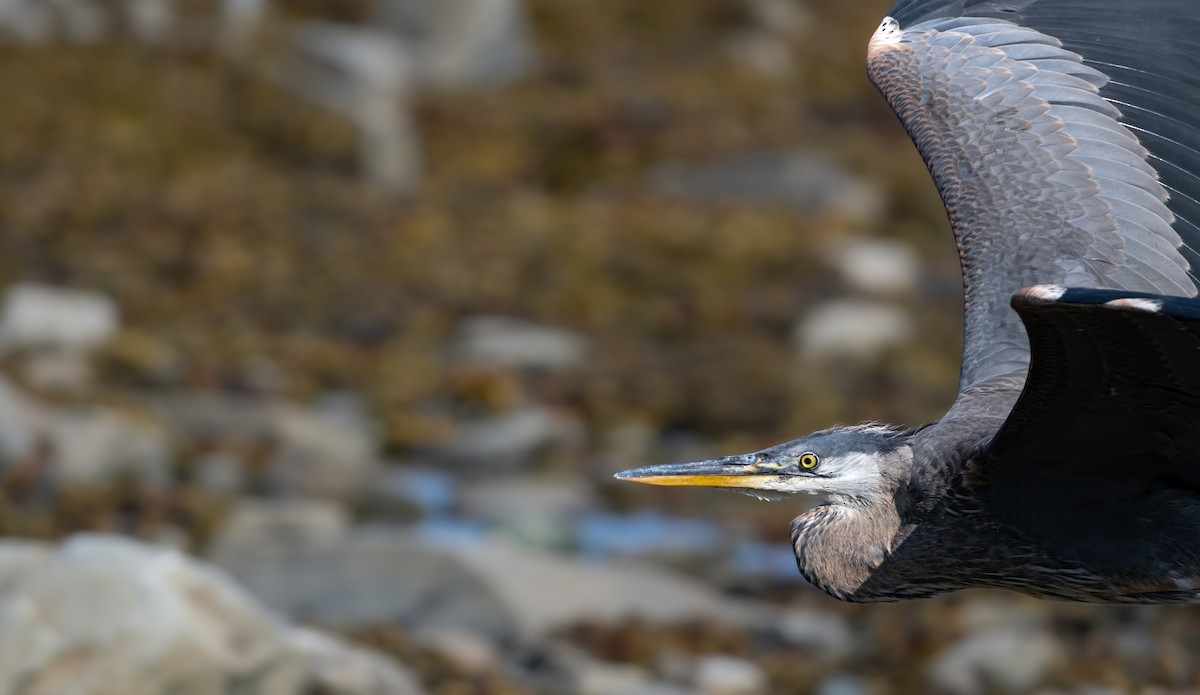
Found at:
<point>491,588</point>
<point>337,667</point>
<point>366,578</point>
<point>103,615</point>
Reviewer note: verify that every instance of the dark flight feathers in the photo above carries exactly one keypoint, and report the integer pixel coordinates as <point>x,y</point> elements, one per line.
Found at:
<point>1064,137</point>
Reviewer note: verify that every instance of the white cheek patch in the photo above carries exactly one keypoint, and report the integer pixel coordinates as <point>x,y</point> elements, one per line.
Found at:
<point>853,475</point>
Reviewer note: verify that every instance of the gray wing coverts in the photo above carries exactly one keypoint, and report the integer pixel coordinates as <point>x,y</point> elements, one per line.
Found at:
<point>1042,181</point>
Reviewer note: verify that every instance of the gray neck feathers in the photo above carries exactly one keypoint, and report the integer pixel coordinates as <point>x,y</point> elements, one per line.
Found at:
<point>840,545</point>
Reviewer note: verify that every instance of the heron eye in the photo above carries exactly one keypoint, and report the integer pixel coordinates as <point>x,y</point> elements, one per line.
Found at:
<point>809,460</point>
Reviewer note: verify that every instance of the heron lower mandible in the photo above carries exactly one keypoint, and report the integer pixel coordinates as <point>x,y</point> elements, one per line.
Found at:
<point>1064,138</point>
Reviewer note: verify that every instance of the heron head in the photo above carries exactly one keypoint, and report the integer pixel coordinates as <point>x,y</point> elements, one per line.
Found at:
<point>845,463</point>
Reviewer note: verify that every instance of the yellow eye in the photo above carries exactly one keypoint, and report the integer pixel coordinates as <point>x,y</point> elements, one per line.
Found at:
<point>809,460</point>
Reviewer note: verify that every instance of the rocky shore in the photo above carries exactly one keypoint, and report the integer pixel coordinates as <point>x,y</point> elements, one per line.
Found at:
<point>323,326</point>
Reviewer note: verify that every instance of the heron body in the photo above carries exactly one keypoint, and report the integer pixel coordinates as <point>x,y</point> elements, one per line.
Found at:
<point>1064,139</point>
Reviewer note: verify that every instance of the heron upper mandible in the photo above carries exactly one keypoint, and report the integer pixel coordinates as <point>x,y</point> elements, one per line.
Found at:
<point>1064,138</point>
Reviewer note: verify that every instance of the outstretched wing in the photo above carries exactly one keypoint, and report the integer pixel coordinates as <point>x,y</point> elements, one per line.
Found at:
<point>1112,397</point>
<point>1063,137</point>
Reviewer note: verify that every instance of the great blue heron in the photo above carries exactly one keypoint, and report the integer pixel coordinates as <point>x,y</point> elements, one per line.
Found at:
<point>1064,137</point>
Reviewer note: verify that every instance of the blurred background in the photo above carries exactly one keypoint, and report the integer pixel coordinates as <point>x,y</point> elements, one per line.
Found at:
<point>325,323</point>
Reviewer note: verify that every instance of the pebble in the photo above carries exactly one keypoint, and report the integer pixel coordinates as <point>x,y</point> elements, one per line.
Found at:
<point>853,328</point>
<point>508,342</point>
<point>1008,660</point>
<point>729,675</point>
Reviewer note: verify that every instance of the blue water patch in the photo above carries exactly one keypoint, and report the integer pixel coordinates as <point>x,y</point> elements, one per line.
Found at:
<point>441,531</point>
<point>603,535</point>
<point>433,491</point>
<point>770,560</point>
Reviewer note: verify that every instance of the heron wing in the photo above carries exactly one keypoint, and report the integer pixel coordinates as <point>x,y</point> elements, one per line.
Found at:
<point>1111,396</point>
<point>1061,135</point>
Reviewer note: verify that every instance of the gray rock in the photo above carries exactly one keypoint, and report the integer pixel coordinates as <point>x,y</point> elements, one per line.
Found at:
<point>323,454</point>
<point>769,46</point>
<point>508,342</point>
<point>23,424</point>
<point>1006,660</point>
<point>589,676</point>
<point>91,445</point>
<point>767,54</point>
<point>729,675</point>
<point>58,371</point>
<point>336,667</point>
<point>538,511</point>
<point>788,18</point>
<point>402,492</point>
<point>490,588</point>
<point>220,472</point>
<point>599,678</point>
<point>39,21</point>
<point>29,21</point>
<point>219,418</point>
<point>150,21</point>
<point>240,21</point>
<point>107,616</point>
<point>502,500</point>
<point>319,453</point>
<point>81,21</point>
<point>818,633</point>
<point>368,577</point>
<point>283,521</point>
<point>468,651</point>
<point>879,266</point>
<point>511,440</point>
<point>461,44</point>
<point>1000,612</point>
<point>356,61</point>
<point>854,328</point>
<point>843,685</point>
<point>544,593</point>
<point>364,76</point>
<point>800,181</point>
<point>39,317</point>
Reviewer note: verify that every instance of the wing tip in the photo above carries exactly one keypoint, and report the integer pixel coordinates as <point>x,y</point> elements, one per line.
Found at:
<point>1039,294</point>
<point>1150,306</point>
<point>886,38</point>
<point>1121,300</point>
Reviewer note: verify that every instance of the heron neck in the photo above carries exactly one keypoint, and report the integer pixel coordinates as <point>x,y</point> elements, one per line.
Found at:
<point>840,547</point>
